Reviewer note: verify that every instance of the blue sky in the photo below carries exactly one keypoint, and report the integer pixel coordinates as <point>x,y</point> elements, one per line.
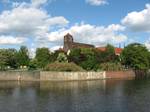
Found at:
<point>43,23</point>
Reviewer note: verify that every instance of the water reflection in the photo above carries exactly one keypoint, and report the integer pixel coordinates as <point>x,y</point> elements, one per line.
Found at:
<point>84,96</point>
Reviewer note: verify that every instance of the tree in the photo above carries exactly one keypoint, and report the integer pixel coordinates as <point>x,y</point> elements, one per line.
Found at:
<point>23,56</point>
<point>109,54</point>
<point>8,58</point>
<point>84,57</point>
<point>12,61</point>
<point>33,64</point>
<point>3,59</point>
<point>62,58</point>
<point>42,57</point>
<point>89,60</point>
<point>136,56</point>
<point>75,55</point>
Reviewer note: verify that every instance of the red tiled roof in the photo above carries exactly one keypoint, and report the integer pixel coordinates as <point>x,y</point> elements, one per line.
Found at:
<point>101,48</point>
<point>117,50</point>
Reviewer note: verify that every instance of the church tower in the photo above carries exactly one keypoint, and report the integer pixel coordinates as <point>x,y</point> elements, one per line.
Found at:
<point>68,41</point>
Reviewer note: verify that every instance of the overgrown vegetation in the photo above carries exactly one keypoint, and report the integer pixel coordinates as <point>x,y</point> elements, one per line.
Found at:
<point>134,56</point>
<point>68,67</point>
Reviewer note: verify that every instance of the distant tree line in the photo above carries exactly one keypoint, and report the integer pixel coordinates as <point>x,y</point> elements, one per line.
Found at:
<point>134,56</point>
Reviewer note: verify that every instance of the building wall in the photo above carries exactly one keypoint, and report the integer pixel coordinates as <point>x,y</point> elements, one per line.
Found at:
<point>70,44</point>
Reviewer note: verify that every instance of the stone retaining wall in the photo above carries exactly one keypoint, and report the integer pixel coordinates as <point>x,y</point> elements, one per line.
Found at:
<point>120,74</point>
<point>62,76</point>
<point>20,75</point>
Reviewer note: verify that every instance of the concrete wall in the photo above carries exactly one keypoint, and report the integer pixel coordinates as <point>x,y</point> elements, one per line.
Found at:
<point>20,75</point>
<point>120,74</point>
<point>62,76</point>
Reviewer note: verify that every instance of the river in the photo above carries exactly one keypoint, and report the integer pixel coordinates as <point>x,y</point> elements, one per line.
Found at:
<point>86,96</point>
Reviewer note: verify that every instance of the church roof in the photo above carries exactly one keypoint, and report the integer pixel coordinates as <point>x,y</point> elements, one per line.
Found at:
<point>118,51</point>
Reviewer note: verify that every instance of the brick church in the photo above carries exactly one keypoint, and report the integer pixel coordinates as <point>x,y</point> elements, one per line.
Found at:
<point>70,44</point>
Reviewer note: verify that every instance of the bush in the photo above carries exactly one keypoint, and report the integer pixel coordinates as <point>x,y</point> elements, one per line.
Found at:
<point>111,66</point>
<point>33,65</point>
<point>63,67</point>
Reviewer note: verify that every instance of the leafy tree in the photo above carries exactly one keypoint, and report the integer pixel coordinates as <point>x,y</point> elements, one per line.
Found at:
<point>8,57</point>
<point>85,57</point>
<point>12,58</point>
<point>33,64</point>
<point>109,54</point>
<point>54,55</point>
<point>42,57</point>
<point>3,59</point>
<point>62,58</point>
<point>75,55</point>
<point>23,56</point>
<point>136,56</point>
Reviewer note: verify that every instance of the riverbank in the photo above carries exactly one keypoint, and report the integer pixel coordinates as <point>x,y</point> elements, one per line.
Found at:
<point>63,76</point>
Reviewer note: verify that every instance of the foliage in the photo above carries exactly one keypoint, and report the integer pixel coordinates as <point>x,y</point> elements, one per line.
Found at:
<point>33,64</point>
<point>111,66</point>
<point>84,57</point>
<point>42,57</point>
<point>3,59</point>
<point>75,55</point>
<point>23,56</point>
<point>12,58</point>
<point>136,56</point>
<point>8,58</point>
<point>63,67</point>
<point>109,54</point>
<point>62,58</point>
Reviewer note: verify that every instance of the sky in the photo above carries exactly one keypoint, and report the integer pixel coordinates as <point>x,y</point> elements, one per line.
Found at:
<point>43,23</point>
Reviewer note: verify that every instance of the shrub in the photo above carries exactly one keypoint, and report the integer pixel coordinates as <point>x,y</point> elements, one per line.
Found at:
<point>63,67</point>
<point>33,64</point>
<point>111,66</point>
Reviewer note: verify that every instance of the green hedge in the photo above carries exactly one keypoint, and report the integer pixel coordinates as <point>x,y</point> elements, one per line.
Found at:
<point>111,66</point>
<point>63,67</point>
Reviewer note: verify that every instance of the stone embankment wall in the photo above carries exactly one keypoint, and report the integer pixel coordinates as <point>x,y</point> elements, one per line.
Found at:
<point>62,76</point>
<point>20,75</point>
<point>65,76</point>
<point>120,74</point>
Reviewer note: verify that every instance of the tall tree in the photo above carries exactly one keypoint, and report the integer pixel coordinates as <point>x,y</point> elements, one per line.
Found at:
<point>3,59</point>
<point>109,53</point>
<point>12,58</point>
<point>23,56</point>
<point>136,56</point>
<point>62,58</point>
<point>42,57</point>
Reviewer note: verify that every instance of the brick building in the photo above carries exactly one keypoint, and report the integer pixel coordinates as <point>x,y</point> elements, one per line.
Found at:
<point>70,44</point>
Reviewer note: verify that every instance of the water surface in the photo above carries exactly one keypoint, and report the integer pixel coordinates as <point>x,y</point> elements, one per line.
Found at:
<point>86,96</point>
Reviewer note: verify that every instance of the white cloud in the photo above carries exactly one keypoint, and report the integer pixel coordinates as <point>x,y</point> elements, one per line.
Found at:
<point>11,40</point>
<point>57,21</point>
<point>55,48</point>
<point>86,33</point>
<point>27,21</point>
<point>138,21</point>
<point>37,3</point>
<point>97,2</point>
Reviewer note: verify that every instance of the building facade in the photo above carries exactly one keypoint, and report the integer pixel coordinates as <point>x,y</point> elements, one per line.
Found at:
<point>70,44</point>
